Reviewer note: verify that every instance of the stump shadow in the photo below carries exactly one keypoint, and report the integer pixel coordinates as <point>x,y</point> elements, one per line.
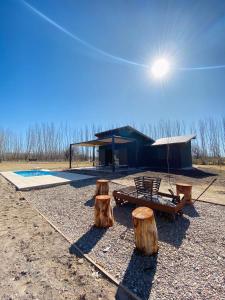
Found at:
<point>122,214</point>
<point>138,276</point>
<point>90,202</point>
<point>88,241</point>
<point>191,211</point>
<point>172,232</point>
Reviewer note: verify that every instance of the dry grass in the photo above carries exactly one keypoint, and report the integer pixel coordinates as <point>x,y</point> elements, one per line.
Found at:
<point>60,165</point>
<point>23,165</point>
<point>213,167</point>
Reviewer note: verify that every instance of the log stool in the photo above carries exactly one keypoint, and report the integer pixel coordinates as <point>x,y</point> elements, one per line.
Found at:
<point>103,211</point>
<point>186,189</point>
<point>102,187</point>
<point>145,230</point>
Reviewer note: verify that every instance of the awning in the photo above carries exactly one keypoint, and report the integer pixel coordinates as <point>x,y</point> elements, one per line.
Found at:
<point>104,141</point>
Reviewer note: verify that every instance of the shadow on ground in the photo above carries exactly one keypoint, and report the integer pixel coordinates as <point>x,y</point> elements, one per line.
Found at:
<point>194,172</point>
<point>88,241</point>
<point>171,232</point>
<point>83,183</point>
<point>90,202</point>
<point>139,275</point>
<point>141,270</point>
<point>122,214</point>
<point>190,210</point>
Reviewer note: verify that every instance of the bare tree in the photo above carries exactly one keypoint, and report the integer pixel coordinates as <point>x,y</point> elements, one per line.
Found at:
<point>48,141</point>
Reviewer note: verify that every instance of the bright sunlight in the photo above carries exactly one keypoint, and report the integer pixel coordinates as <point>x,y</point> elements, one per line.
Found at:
<point>160,68</point>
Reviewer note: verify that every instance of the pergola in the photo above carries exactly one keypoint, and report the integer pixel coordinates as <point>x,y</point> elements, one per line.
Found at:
<point>113,140</point>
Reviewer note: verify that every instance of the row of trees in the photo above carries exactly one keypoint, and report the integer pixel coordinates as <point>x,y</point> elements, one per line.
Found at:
<point>51,142</point>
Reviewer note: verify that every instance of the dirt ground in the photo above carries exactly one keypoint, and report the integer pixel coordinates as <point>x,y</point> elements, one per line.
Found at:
<point>35,262</point>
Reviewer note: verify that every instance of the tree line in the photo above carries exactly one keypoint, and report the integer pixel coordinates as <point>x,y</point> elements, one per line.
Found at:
<point>49,142</point>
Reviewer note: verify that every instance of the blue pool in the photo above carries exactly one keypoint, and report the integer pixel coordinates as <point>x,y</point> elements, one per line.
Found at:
<point>30,173</point>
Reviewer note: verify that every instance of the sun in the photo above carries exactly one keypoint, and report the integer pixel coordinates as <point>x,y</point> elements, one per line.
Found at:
<point>160,68</point>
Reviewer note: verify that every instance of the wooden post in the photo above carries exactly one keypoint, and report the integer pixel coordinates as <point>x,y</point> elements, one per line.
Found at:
<point>70,156</point>
<point>186,189</point>
<point>113,153</point>
<point>146,235</point>
<point>103,211</point>
<point>93,156</point>
<point>136,154</point>
<point>102,187</point>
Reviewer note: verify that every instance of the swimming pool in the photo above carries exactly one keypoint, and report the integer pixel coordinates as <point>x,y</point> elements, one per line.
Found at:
<point>29,173</point>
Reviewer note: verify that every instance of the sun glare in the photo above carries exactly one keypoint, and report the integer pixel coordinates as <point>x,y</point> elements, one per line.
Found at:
<point>160,68</point>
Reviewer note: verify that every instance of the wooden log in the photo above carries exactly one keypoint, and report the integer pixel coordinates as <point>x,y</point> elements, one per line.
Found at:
<point>186,189</point>
<point>102,187</point>
<point>103,211</point>
<point>145,230</point>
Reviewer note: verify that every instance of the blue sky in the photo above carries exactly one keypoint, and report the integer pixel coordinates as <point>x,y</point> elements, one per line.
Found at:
<point>45,75</point>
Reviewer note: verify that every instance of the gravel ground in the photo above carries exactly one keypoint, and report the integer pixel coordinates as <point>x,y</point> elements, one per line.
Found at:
<point>191,259</point>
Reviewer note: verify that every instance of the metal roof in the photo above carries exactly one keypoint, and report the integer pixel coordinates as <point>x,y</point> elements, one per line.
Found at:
<point>104,141</point>
<point>127,127</point>
<point>174,140</point>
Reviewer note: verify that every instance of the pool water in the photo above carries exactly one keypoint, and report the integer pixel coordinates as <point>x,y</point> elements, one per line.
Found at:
<point>30,173</point>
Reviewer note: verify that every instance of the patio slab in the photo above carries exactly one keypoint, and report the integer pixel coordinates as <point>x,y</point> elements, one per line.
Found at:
<point>27,183</point>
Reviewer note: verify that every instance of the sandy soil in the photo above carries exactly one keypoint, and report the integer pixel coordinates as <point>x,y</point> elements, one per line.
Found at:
<point>34,259</point>
<point>212,167</point>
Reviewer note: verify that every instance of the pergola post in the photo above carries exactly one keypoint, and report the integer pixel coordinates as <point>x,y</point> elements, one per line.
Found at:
<point>93,156</point>
<point>136,154</point>
<point>113,154</point>
<point>70,156</point>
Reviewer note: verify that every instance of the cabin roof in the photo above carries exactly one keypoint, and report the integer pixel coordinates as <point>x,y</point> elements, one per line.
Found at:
<point>174,140</point>
<point>127,127</point>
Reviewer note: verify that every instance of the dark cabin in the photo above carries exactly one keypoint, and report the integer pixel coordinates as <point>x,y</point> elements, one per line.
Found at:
<point>127,147</point>
<point>125,154</point>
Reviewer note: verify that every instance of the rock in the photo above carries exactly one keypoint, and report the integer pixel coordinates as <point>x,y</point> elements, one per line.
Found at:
<point>95,274</point>
<point>23,273</point>
<point>106,249</point>
<point>80,261</point>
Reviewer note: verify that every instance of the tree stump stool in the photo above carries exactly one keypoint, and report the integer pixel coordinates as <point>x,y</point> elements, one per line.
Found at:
<point>103,211</point>
<point>186,189</point>
<point>145,230</point>
<point>102,187</point>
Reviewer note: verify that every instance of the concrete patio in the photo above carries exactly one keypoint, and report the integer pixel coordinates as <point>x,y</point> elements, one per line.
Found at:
<point>27,183</point>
